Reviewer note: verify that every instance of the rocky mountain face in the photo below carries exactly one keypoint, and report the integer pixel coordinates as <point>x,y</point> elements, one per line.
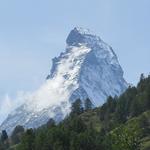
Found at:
<point>88,68</point>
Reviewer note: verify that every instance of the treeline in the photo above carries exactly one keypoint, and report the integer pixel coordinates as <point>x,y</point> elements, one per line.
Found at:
<point>122,123</point>
<point>133,102</point>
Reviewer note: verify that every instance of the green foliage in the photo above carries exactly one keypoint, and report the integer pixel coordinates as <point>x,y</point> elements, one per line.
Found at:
<point>77,108</point>
<point>2,147</point>
<point>4,136</point>
<point>122,123</point>
<point>83,141</point>
<point>4,143</point>
<point>50,123</point>
<point>16,134</point>
<point>27,142</point>
<point>88,104</point>
<point>123,138</point>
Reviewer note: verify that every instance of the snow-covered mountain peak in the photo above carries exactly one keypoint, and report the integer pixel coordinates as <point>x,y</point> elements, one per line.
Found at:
<point>88,68</point>
<point>84,37</point>
<point>80,35</point>
<point>83,31</point>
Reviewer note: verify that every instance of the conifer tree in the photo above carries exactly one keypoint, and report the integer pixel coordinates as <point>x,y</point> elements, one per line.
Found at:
<point>4,136</point>
<point>88,104</point>
<point>77,108</point>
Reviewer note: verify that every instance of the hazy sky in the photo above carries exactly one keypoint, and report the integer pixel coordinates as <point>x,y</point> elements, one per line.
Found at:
<point>34,31</point>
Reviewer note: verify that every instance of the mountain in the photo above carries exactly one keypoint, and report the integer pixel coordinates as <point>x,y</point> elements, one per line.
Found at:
<point>88,68</point>
<point>121,123</point>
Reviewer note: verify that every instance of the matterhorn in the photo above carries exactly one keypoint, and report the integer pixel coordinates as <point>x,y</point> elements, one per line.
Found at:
<point>88,68</point>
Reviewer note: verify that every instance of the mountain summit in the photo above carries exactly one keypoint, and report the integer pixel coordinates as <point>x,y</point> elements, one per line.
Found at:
<point>88,68</point>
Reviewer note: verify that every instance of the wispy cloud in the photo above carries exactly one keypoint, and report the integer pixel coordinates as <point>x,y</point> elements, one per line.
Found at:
<point>8,104</point>
<point>50,93</point>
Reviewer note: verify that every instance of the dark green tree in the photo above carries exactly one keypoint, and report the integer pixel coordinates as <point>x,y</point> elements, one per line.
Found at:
<point>27,142</point>
<point>4,136</point>
<point>4,139</point>
<point>50,123</point>
<point>17,134</point>
<point>88,104</point>
<point>123,138</point>
<point>77,107</point>
<point>83,141</point>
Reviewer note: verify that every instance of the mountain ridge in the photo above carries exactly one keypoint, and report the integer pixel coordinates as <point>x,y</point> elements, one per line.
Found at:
<point>89,68</point>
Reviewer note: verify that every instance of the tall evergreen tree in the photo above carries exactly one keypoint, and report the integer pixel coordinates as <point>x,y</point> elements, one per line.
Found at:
<point>77,107</point>
<point>4,143</point>
<point>16,134</point>
<point>4,136</point>
<point>27,141</point>
<point>88,104</point>
<point>50,123</point>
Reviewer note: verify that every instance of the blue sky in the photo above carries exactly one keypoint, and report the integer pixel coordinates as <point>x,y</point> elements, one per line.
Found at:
<point>34,31</point>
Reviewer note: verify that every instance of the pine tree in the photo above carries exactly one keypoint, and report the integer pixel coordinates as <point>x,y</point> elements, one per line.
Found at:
<point>50,123</point>
<point>88,104</point>
<point>77,108</point>
<point>4,136</point>
<point>16,134</point>
<point>142,77</point>
<point>27,142</point>
<point>4,140</point>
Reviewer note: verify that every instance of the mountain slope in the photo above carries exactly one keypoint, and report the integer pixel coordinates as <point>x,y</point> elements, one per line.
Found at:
<point>88,68</point>
<point>91,67</point>
<point>121,123</point>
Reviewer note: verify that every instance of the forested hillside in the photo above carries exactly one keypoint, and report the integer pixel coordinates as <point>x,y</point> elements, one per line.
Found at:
<point>121,123</point>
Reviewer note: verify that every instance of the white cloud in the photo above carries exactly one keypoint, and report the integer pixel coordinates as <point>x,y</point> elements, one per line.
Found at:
<point>7,104</point>
<point>53,91</point>
<point>50,93</point>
